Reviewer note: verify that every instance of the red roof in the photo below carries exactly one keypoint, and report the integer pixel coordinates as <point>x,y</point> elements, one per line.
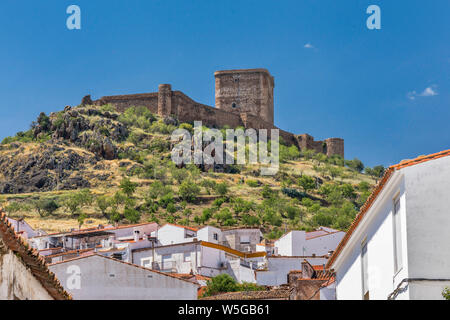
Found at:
<point>387,175</point>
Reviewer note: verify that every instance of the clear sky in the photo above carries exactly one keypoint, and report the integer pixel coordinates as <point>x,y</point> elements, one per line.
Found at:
<point>386,92</point>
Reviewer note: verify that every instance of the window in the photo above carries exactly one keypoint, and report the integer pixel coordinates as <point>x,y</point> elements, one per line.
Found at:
<point>234,105</point>
<point>146,262</point>
<point>187,256</point>
<point>397,236</point>
<point>245,239</point>
<point>215,236</point>
<point>364,271</point>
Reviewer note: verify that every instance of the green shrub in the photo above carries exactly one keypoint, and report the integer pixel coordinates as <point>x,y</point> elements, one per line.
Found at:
<point>253,183</point>
<point>221,283</point>
<point>188,191</point>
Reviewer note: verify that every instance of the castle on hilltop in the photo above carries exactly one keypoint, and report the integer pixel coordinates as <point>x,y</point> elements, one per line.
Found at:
<point>243,98</point>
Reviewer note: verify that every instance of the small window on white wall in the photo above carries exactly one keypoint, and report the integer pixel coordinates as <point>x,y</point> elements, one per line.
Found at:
<point>245,239</point>
<point>365,271</point>
<point>187,256</point>
<point>396,221</point>
<point>146,262</point>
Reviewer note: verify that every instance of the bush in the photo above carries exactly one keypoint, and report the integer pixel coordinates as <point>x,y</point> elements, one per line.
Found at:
<point>171,208</point>
<point>225,218</point>
<point>253,183</point>
<point>250,220</point>
<point>307,183</point>
<point>293,193</point>
<point>187,126</point>
<point>166,200</point>
<point>128,187</point>
<point>221,283</point>
<point>268,192</point>
<point>446,293</point>
<point>222,189</point>
<point>188,191</point>
<point>132,215</point>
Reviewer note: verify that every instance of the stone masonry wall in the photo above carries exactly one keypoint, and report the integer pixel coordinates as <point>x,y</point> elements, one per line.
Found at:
<point>249,91</point>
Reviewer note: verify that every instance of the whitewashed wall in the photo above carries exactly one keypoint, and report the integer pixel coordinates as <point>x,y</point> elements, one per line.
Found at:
<point>103,279</point>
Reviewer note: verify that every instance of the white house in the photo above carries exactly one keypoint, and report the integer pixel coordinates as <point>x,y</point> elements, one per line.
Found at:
<point>197,257</point>
<point>278,268</point>
<point>398,247</point>
<point>300,243</point>
<point>96,277</point>
<point>22,228</point>
<point>210,234</point>
<point>173,234</point>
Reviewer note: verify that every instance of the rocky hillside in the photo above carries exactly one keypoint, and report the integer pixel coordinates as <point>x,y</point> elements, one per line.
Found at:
<point>90,164</point>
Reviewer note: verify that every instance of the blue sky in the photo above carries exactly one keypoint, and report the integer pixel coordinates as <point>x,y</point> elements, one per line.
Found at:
<point>386,92</point>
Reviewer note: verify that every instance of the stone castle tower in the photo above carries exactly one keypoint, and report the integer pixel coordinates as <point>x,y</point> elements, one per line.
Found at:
<point>245,91</point>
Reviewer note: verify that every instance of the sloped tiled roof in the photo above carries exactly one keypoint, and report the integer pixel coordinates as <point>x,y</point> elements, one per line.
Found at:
<point>379,187</point>
<point>31,260</point>
<point>273,294</point>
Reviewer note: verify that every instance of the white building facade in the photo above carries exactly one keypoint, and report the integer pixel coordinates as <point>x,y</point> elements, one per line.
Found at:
<point>399,245</point>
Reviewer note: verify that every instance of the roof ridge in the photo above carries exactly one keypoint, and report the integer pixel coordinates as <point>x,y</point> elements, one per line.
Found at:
<point>420,159</point>
<point>40,270</point>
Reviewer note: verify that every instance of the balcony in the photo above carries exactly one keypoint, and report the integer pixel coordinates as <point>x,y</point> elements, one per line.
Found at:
<point>165,266</point>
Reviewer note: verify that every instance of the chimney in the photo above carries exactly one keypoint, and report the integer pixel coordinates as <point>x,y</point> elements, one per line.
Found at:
<point>136,235</point>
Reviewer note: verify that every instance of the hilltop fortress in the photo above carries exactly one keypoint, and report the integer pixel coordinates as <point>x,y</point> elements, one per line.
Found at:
<point>242,98</point>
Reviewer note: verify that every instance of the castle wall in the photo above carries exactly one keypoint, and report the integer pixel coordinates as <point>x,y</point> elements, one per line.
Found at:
<point>123,102</point>
<point>187,110</point>
<point>243,98</point>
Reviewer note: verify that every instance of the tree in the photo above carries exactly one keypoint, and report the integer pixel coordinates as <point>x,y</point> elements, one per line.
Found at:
<point>225,218</point>
<point>131,214</point>
<point>221,283</point>
<point>81,218</point>
<point>355,164</point>
<point>188,191</point>
<point>222,189</point>
<point>179,174</point>
<point>46,207</point>
<point>128,187</point>
<point>376,172</point>
<point>103,204</point>
<point>250,220</point>
<point>334,171</point>
<point>307,183</point>
<point>446,293</point>
<point>44,121</point>
<point>348,191</point>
